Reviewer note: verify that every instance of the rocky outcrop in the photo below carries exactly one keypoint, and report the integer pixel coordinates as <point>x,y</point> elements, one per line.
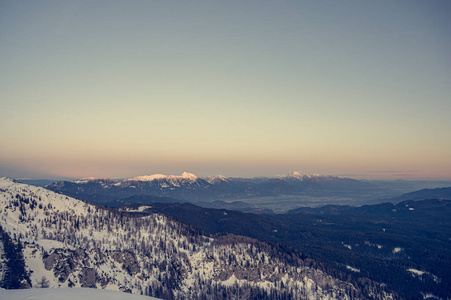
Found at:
<point>88,278</point>
<point>128,261</point>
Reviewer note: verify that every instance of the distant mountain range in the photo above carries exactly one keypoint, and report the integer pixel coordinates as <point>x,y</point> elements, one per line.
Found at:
<point>438,193</point>
<point>188,187</point>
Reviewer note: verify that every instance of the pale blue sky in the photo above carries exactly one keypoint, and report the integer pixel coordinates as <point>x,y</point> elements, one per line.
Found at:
<point>242,88</point>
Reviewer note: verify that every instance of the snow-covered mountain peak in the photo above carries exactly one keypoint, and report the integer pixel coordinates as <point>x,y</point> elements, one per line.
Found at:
<point>185,175</point>
<point>148,177</point>
<point>6,181</point>
<point>297,175</point>
<point>190,176</point>
<point>300,176</point>
<point>41,195</point>
<point>84,180</point>
<point>215,179</point>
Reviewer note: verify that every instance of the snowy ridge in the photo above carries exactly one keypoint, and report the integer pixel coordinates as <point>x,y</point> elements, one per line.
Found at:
<point>215,179</point>
<point>74,244</point>
<point>299,176</point>
<point>185,180</point>
<point>84,180</point>
<point>184,176</point>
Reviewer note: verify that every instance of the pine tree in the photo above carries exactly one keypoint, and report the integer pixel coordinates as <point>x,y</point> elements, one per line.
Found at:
<point>15,276</point>
<point>43,283</point>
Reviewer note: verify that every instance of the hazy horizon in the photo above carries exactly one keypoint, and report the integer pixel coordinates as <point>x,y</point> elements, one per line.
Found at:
<point>117,89</point>
<point>351,176</point>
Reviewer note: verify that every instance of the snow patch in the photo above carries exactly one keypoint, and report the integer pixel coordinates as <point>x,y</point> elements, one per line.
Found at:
<point>139,209</point>
<point>429,296</point>
<point>397,250</point>
<point>230,281</point>
<point>7,181</point>
<point>297,175</point>
<point>353,269</point>
<point>368,243</point>
<point>215,179</point>
<point>84,180</point>
<point>52,244</point>
<point>416,272</point>
<point>148,177</point>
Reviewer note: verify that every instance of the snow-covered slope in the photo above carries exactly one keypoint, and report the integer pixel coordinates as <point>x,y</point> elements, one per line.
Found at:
<point>69,243</point>
<point>68,294</point>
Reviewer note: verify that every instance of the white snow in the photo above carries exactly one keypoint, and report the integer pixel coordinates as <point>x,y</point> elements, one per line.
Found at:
<point>397,249</point>
<point>353,269</point>
<point>52,244</point>
<point>84,180</point>
<point>430,296</point>
<point>139,209</point>
<point>6,181</point>
<point>231,281</point>
<point>373,245</point>
<point>148,177</point>
<point>34,261</point>
<point>297,175</point>
<point>215,179</point>
<point>68,294</point>
<point>189,176</point>
<point>416,272</point>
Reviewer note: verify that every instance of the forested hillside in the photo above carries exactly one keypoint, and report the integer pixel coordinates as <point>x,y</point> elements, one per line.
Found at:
<point>406,245</point>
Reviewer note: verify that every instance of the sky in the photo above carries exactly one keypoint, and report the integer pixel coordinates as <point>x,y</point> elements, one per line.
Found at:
<point>118,89</point>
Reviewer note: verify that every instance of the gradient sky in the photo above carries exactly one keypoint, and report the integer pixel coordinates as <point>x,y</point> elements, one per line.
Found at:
<point>239,88</point>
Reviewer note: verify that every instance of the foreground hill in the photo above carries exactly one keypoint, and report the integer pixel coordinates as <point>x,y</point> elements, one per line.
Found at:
<point>65,242</point>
